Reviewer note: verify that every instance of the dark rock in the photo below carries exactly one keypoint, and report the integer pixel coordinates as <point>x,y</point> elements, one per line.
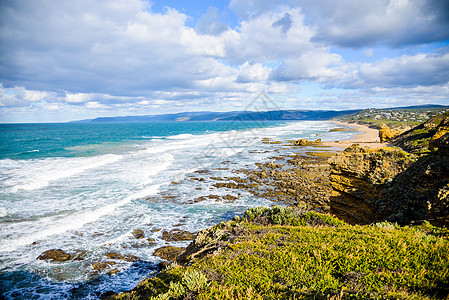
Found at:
<point>421,138</point>
<point>102,266</point>
<point>230,198</point>
<point>177,235</point>
<point>55,255</point>
<point>138,234</point>
<point>168,252</point>
<point>442,145</point>
<point>126,257</point>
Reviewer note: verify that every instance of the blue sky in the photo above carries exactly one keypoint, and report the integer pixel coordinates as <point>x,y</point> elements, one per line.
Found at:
<point>68,60</point>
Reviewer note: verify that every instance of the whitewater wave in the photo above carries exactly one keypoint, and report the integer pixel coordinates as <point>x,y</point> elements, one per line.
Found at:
<point>74,221</point>
<point>35,174</point>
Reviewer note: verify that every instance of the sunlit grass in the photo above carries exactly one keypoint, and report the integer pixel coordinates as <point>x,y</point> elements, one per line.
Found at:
<point>316,258</point>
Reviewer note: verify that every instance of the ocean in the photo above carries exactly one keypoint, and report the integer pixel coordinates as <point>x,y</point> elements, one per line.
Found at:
<point>85,187</point>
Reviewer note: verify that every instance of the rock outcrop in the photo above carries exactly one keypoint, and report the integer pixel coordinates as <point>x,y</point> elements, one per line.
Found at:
<point>391,184</point>
<point>168,252</point>
<point>385,134</point>
<point>177,235</point>
<point>138,234</point>
<point>305,142</point>
<point>55,255</point>
<point>422,191</point>
<point>358,175</point>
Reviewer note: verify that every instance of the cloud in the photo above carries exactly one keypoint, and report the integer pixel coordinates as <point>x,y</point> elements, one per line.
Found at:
<point>259,41</point>
<point>284,24</point>
<point>114,47</point>
<point>315,66</point>
<point>210,23</point>
<point>404,71</point>
<point>358,24</point>
<point>252,73</point>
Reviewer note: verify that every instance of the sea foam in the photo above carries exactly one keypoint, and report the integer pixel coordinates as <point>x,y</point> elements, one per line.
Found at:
<point>38,173</point>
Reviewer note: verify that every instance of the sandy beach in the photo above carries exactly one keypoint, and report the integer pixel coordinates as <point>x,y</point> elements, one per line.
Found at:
<point>368,137</point>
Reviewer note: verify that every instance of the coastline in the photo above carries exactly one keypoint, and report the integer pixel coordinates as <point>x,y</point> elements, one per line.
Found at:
<point>231,258</point>
<point>368,137</point>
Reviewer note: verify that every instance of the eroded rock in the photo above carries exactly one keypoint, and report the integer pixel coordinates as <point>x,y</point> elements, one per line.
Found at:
<point>357,176</point>
<point>138,234</point>
<point>55,255</point>
<point>168,252</point>
<point>177,235</point>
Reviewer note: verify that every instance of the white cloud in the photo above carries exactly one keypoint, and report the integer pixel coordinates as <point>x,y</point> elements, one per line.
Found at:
<point>210,23</point>
<point>78,97</point>
<point>252,72</point>
<point>94,104</point>
<point>405,71</point>
<point>311,66</point>
<point>355,23</point>
<point>259,41</point>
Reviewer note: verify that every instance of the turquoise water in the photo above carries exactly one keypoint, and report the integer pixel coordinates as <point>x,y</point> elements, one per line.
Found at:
<point>84,188</point>
<point>27,141</point>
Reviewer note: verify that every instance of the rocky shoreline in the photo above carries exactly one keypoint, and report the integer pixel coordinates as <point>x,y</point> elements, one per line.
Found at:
<point>360,185</point>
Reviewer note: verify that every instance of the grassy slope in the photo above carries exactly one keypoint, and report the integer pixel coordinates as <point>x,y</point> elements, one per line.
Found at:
<point>280,254</point>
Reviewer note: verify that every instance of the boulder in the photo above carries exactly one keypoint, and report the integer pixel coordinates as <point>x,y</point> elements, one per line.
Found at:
<point>99,266</point>
<point>138,234</point>
<point>168,252</point>
<point>55,255</point>
<point>305,142</point>
<point>126,257</point>
<point>177,235</point>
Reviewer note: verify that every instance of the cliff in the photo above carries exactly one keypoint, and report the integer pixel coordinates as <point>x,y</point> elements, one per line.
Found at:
<point>391,184</point>
<point>418,139</point>
<point>358,175</point>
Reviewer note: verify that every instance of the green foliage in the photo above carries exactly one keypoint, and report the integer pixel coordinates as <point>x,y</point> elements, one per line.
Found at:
<point>177,289</point>
<point>314,218</point>
<point>387,225</point>
<point>320,257</point>
<point>275,215</point>
<point>279,215</point>
<point>194,281</point>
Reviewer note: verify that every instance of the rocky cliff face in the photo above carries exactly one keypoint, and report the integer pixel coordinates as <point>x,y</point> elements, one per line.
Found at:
<point>358,175</point>
<point>421,192</point>
<point>385,134</point>
<point>391,184</point>
<point>420,138</point>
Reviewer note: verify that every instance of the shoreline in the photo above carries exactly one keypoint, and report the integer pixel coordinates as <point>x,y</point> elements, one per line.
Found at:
<point>368,137</point>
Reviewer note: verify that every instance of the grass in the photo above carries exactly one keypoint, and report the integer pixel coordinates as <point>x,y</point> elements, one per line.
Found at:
<point>281,253</point>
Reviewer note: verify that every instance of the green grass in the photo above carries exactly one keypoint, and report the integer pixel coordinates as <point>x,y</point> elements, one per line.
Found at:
<point>318,257</point>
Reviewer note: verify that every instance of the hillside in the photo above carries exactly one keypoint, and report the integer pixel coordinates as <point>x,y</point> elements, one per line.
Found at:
<point>398,117</point>
<point>281,253</point>
<point>228,116</point>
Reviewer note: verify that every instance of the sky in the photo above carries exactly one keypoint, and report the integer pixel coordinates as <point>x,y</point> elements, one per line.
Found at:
<point>78,59</point>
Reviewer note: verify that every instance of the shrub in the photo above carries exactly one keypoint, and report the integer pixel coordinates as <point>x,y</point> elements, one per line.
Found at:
<point>194,281</point>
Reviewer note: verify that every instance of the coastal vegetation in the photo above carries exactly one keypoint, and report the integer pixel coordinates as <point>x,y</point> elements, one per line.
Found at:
<point>283,253</point>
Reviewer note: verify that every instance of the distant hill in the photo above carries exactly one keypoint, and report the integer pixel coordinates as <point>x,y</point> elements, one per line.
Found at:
<point>228,116</point>
<point>274,115</point>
